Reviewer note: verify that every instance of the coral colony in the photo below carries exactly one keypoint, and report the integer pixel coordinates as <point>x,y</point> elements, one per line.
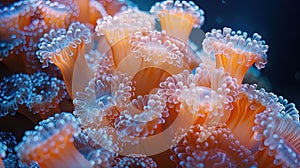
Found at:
<point>143,94</point>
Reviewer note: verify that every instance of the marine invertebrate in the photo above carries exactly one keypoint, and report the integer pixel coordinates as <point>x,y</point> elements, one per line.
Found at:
<point>279,134</point>
<point>13,20</point>
<point>63,48</point>
<point>91,10</point>
<point>15,91</point>
<point>47,93</point>
<point>98,146</point>
<point>134,85</point>
<point>207,93</point>
<point>249,103</point>
<point>58,14</point>
<point>31,35</point>
<point>101,138</point>
<point>235,51</point>
<point>141,117</point>
<point>153,47</point>
<point>219,149</point>
<point>105,96</point>
<point>51,143</point>
<point>178,18</point>
<point>153,57</point>
<point>135,160</point>
<point>117,29</point>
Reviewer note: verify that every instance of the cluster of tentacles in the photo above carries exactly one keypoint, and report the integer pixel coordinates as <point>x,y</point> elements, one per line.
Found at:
<point>141,93</point>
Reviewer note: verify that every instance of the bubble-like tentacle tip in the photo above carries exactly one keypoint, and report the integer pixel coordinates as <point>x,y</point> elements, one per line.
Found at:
<point>187,9</point>
<point>105,65</point>
<point>15,90</point>
<point>93,58</point>
<point>48,92</point>
<point>135,160</point>
<point>100,158</point>
<point>235,51</point>
<point>51,143</point>
<point>220,149</point>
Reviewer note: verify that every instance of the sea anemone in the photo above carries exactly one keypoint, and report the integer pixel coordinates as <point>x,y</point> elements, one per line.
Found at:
<point>235,51</point>
<point>63,47</point>
<point>219,150</point>
<point>51,143</point>
<point>178,18</point>
<point>15,91</point>
<point>47,93</point>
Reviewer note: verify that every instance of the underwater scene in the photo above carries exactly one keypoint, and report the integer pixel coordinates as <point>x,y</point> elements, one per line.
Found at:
<point>146,83</point>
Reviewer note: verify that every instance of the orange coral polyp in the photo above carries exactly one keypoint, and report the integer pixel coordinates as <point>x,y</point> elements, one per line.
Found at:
<point>279,134</point>
<point>235,51</point>
<point>242,119</point>
<point>105,95</point>
<point>221,148</point>
<point>178,18</point>
<point>51,143</point>
<point>250,102</point>
<point>153,57</point>
<point>117,29</point>
<point>66,49</point>
<point>208,93</point>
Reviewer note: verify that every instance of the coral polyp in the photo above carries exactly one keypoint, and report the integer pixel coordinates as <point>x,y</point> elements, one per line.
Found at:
<point>142,89</point>
<point>178,18</point>
<point>235,51</point>
<point>52,138</point>
<point>15,91</point>
<point>220,149</point>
